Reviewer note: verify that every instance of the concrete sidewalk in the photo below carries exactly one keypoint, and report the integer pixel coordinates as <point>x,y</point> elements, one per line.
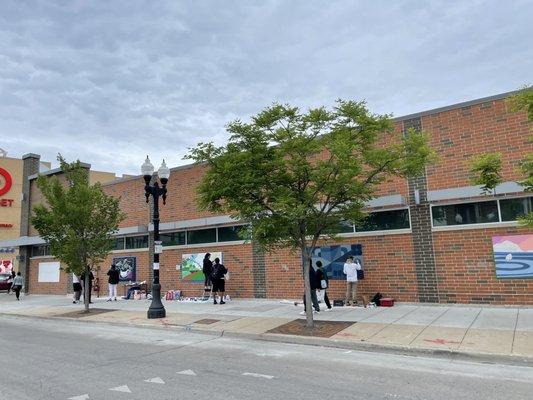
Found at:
<point>451,329</point>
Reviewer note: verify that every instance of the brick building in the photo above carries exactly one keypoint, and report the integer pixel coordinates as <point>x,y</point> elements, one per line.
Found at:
<point>428,239</point>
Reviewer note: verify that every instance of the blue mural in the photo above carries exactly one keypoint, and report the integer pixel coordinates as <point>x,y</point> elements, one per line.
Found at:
<point>334,257</point>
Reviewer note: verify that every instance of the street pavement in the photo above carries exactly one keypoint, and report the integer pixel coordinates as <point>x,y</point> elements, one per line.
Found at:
<point>466,330</point>
<point>63,359</point>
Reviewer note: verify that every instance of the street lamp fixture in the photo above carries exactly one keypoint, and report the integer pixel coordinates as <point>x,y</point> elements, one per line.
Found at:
<point>156,310</point>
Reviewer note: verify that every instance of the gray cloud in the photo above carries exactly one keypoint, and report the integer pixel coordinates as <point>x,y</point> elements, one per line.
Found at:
<point>108,82</point>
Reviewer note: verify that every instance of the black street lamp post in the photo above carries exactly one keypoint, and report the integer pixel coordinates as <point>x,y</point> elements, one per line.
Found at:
<point>156,310</point>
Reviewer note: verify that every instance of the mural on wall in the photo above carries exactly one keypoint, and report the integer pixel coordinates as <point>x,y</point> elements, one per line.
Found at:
<point>127,267</point>
<point>191,266</point>
<point>6,266</point>
<point>48,272</point>
<point>334,257</point>
<point>513,256</point>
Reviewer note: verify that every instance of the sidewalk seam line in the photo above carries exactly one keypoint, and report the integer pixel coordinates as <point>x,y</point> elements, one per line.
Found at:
<point>428,325</point>
<point>514,331</point>
<point>390,323</point>
<point>468,329</point>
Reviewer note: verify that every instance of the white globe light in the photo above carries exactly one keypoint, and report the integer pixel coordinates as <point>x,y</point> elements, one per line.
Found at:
<point>147,169</point>
<point>164,171</point>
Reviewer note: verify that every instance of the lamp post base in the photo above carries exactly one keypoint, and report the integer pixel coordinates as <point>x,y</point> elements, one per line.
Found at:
<point>156,310</point>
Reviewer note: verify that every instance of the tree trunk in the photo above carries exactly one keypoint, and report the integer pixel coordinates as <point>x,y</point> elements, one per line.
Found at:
<point>307,288</point>
<point>86,289</point>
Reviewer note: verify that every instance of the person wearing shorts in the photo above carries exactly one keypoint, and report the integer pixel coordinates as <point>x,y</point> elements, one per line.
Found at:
<point>217,278</point>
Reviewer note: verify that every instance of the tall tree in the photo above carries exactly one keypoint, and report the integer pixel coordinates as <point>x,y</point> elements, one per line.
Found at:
<point>294,177</point>
<point>76,220</point>
<point>486,168</point>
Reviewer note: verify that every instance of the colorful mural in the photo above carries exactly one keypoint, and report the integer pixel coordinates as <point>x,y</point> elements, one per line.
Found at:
<point>127,267</point>
<point>334,257</point>
<point>513,256</point>
<point>191,266</point>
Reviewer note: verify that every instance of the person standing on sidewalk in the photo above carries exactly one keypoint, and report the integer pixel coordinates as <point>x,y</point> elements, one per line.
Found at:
<point>350,270</point>
<point>207,269</point>
<point>323,283</point>
<point>114,278</point>
<point>76,287</point>
<point>87,290</point>
<point>18,282</point>
<point>217,278</point>
<point>10,281</point>
<point>314,286</point>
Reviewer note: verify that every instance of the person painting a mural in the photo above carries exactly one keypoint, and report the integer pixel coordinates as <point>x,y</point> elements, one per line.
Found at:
<point>350,270</point>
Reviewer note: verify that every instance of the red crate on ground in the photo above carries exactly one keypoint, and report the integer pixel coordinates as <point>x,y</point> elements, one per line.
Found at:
<point>386,302</point>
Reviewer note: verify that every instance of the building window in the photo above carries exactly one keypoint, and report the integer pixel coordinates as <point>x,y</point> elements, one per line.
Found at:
<point>511,209</point>
<point>384,220</point>
<point>137,242</point>
<point>119,244</point>
<point>465,213</point>
<point>40,250</point>
<point>342,227</point>
<point>230,233</point>
<point>202,236</point>
<point>172,238</point>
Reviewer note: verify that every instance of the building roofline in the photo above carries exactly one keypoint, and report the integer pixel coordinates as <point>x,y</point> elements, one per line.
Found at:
<point>396,119</point>
<point>56,171</point>
<point>132,178</point>
<point>455,106</point>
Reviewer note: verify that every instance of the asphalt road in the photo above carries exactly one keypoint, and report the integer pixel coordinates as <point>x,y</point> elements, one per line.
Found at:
<point>44,359</point>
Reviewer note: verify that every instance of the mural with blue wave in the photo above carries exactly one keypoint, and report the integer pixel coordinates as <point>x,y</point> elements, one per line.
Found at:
<point>513,256</point>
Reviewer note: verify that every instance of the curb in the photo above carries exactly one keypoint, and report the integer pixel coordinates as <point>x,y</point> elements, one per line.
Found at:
<point>452,355</point>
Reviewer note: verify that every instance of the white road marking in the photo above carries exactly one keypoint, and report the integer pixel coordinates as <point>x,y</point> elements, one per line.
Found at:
<point>123,388</point>
<point>80,397</point>
<point>187,372</point>
<point>258,375</point>
<point>347,352</point>
<point>156,380</point>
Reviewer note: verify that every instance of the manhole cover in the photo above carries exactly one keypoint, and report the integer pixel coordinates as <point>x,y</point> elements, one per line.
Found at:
<point>206,321</point>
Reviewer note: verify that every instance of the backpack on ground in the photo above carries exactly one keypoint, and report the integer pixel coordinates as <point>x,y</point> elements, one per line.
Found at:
<point>377,299</point>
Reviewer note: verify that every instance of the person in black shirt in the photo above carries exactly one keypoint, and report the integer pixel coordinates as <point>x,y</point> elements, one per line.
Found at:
<point>314,287</point>
<point>87,290</point>
<point>323,283</point>
<point>114,278</point>
<point>219,284</point>
<point>207,269</point>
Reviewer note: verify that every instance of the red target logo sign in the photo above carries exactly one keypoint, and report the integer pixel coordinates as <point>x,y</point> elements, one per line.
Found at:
<point>5,181</point>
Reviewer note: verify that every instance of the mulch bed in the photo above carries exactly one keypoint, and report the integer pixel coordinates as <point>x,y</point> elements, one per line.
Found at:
<point>323,329</point>
<point>82,313</point>
<point>206,321</point>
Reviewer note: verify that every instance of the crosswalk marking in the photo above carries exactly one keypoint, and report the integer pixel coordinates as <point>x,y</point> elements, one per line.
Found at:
<point>123,388</point>
<point>80,397</point>
<point>156,380</point>
<point>258,375</point>
<point>187,372</point>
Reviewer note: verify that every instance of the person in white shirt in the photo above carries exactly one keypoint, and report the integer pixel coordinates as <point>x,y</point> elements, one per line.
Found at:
<point>76,286</point>
<point>350,270</point>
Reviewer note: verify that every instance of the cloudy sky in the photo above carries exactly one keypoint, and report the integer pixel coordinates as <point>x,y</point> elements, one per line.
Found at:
<point>110,81</point>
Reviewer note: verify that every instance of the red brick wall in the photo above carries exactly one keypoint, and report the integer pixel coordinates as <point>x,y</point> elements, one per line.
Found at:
<point>388,264</point>
<point>458,134</point>
<point>466,270</point>
<point>37,287</point>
